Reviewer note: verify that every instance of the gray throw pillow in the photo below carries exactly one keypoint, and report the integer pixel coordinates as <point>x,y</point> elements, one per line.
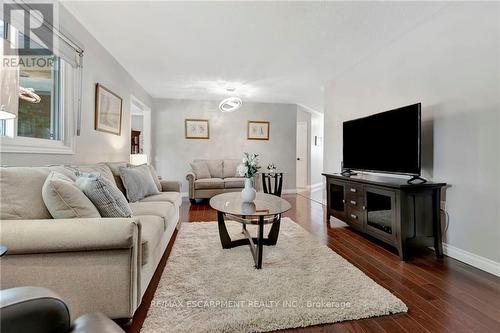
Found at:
<point>107,198</point>
<point>64,200</point>
<point>200,169</point>
<point>156,179</point>
<point>138,182</point>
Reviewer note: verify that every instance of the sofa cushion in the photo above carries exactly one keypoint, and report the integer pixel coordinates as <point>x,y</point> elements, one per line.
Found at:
<point>174,198</point>
<point>200,169</point>
<point>113,166</point>
<point>107,198</point>
<point>229,168</point>
<point>21,193</point>
<point>234,182</point>
<point>151,232</point>
<point>209,183</point>
<point>214,166</point>
<point>138,182</point>
<point>165,210</point>
<point>64,199</point>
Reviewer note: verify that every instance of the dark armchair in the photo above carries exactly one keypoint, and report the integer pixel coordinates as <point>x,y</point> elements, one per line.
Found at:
<point>39,310</point>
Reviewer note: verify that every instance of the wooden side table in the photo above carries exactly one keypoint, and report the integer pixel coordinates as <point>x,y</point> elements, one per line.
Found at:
<point>270,177</point>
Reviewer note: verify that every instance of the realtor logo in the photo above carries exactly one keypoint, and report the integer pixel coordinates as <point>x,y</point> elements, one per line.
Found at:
<point>34,22</point>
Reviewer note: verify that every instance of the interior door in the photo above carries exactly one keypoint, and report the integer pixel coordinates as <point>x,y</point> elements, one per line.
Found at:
<point>302,154</point>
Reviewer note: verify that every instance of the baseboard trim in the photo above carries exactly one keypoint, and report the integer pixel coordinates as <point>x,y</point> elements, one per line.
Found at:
<point>472,259</point>
<point>289,191</point>
<point>316,187</point>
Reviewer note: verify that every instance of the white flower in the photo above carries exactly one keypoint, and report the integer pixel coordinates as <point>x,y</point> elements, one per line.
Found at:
<point>242,170</point>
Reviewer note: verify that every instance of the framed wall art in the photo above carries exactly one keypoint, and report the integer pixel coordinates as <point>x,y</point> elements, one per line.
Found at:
<point>197,129</point>
<point>258,130</point>
<point>108,111</point>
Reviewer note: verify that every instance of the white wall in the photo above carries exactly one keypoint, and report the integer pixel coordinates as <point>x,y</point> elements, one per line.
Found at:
<point>99,66</point>
<point>450,63</point>
<point>228,136</point>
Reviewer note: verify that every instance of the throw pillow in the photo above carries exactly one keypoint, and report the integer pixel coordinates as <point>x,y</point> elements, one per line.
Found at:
<point>107,198</point>
<point>200,169</point>
<point>138,182</point>
<point>64,200</point>
<point>156,179</point>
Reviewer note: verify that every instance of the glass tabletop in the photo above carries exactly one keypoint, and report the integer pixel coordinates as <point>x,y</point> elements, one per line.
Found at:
<point>263,205</point>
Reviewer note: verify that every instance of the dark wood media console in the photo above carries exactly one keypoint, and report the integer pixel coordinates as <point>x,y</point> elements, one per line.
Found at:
<point>389,209</point>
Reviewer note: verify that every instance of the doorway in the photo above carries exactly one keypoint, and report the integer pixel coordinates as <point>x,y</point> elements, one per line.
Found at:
<point>302,155</point>
<point>140,126</point>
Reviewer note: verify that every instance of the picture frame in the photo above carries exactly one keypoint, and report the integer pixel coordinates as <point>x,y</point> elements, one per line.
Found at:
<point>197,129</point>
<point>258,130</point>
<point>108,111</point>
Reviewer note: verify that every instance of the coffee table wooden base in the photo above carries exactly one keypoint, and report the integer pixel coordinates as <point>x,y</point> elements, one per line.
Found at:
<point>256,243</point>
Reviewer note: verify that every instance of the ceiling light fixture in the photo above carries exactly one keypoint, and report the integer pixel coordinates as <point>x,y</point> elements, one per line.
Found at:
<point>230,104</point>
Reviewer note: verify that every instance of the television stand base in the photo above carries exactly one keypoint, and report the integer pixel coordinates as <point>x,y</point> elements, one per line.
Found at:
<point>416,180</point>
<point>348,173</point>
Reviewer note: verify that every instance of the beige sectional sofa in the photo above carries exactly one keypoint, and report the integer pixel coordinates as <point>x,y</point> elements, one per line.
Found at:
<point>95,264</point>
<point>223,178</point>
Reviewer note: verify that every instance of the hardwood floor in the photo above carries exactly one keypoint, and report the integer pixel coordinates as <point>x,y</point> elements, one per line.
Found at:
<point>443,295</point>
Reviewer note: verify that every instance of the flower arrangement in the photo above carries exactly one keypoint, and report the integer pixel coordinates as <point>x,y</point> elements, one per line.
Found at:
<point>249,166</point>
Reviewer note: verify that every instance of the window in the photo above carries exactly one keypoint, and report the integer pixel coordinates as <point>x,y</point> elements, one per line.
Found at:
<point>45,108</point>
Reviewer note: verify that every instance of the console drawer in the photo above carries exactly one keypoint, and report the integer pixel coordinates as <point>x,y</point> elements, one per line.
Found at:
<point>355,217</point>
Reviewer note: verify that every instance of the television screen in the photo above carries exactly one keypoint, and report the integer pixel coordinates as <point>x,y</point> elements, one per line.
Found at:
<point>384,142</point>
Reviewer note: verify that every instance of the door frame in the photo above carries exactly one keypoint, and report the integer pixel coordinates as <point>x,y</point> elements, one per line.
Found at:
<point>138,108</point>
<point>306,156</point>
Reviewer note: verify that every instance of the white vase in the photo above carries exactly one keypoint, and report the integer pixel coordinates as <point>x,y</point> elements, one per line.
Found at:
<point>248,193</point>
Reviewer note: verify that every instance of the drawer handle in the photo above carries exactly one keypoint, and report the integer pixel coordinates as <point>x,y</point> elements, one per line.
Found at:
<point>353,190</point>
<point>353,202</point>
<point>364,207</point>
<point>354,216</point>
<point>343,201</point>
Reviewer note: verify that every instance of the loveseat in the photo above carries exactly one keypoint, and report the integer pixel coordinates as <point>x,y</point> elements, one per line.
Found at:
<point>219,176</point>
<point>95,264</point>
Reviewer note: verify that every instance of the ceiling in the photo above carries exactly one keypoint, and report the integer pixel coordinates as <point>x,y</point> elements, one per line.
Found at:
<point>281,52</point>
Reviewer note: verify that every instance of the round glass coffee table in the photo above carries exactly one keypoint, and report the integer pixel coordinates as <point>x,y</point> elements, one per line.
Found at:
<point>266,209</point>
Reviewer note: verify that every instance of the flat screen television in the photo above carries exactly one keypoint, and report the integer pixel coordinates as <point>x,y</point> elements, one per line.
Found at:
<point>387,142</point>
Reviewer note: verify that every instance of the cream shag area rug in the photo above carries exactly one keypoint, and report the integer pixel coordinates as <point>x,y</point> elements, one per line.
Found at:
<point>207,289</point>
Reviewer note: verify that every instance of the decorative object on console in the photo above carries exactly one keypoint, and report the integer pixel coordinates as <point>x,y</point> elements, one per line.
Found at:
<point>108,111</point>
<point>107,198</point>
<point>258,130</point>
<point>249,169</point>
<point>271,167</point>
<point>138,182</point>
<point>197,129</point>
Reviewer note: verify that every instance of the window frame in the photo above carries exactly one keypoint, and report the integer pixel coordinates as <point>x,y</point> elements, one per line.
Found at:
<point>68,101</point>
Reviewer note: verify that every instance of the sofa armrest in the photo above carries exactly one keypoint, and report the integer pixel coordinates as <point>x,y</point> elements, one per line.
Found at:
<point>170,186</point>
<point>191,177</point>
<point>95,323</point>
<point>68,235</point>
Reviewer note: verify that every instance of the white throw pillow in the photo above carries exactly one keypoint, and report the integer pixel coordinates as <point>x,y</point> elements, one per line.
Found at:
<point>64,200</point>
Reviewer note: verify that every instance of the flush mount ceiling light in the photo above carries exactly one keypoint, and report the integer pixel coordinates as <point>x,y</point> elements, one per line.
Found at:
<point>230,104</point>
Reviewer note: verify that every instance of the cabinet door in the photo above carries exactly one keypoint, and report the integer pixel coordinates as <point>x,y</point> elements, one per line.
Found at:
<point>380,218</point>
<point>336,198</point>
